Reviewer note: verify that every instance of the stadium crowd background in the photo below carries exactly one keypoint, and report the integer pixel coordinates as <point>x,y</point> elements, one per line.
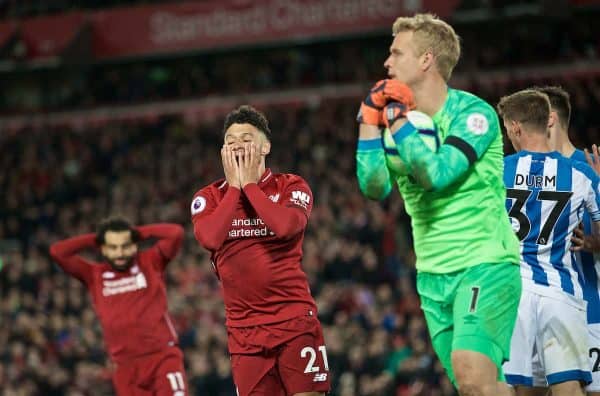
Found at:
<point>59,181</point>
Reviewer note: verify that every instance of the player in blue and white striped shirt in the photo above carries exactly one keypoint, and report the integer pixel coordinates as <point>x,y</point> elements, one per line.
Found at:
<point>546,197</point>
<point>588,265</point>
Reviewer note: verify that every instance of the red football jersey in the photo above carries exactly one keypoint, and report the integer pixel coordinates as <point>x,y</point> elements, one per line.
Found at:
<point>255,238</point>
<point>131,305</point>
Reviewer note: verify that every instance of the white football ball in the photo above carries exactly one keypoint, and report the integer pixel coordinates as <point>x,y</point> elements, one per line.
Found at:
<point>427,131</point>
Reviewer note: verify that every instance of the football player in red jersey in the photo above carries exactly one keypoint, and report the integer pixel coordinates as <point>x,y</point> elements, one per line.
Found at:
<point>129,295</point>
<point>253,223</point>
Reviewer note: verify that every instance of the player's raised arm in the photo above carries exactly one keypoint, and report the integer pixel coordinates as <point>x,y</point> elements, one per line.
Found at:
<point>66,253</point>
<point>469,136</point>
<point>593,159</point>
<point>284,221</point>
<point>170,237</point>
<point>211,220</point>
<point>374,178</point>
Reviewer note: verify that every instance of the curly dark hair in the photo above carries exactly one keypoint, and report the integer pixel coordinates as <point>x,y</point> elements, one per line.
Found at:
<point>247,114</point>
<point>115,223</point>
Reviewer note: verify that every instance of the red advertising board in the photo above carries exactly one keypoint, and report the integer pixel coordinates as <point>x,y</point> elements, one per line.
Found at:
<point>208,24</point>
<point>49,36</point>
<point>200,25</point>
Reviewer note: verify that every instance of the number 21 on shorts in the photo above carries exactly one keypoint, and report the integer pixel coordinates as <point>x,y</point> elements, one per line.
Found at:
<point>310,353</point>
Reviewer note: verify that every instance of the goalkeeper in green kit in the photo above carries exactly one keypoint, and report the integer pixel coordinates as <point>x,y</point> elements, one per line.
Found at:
<point>467,253</point>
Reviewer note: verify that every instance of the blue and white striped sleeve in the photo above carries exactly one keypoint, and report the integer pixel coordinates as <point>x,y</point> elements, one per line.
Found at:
<point>592,197</point>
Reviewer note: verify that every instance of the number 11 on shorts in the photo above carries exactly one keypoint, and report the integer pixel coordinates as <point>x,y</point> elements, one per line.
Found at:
<point>176,381</point>
<point>310,352</point>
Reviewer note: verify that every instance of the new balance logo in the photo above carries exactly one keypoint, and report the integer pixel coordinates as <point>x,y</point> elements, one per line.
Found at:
<point>320,377</point>
<point>274,197</point>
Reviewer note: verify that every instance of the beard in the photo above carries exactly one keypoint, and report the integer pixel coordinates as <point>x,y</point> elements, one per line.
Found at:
<point>120,267</point>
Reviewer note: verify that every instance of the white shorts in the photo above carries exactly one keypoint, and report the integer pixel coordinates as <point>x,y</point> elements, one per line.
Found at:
<point>549,343</point>
<point>594,354</point>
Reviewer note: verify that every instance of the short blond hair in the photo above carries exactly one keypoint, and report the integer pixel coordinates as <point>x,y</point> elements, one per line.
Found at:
<point>529,107</point>
<point>431,33</point>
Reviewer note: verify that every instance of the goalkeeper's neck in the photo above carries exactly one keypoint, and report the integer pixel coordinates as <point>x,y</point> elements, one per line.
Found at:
<point>430,93</point>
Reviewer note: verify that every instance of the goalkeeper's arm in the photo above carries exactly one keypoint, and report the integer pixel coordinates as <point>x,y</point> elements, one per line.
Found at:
<point>436,171</point>
<point>433,171</point>
<point>371,171</point>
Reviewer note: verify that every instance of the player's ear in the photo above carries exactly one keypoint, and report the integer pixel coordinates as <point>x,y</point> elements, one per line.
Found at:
<point>552,119</point>
<point>427,60</point>
<point>265,147</point>
<point>516,128</point>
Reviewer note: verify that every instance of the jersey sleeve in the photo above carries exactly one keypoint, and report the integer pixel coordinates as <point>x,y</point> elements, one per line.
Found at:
<point>374,178</point>
<point>297,194</point>
<point>592,201</point>
<point>470,134</point>
<point>289,217</point>
<point>169,239</point>
<point>212,218</point>
<point>473,130</point>
<point>66,254</point>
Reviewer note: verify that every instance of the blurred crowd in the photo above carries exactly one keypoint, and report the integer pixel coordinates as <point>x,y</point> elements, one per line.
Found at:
<point>358,254</point>
<point>533,41</point>
<point>585,101</point>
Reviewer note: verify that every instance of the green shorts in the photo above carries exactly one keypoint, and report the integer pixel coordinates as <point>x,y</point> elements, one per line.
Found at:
<point>474,309</point>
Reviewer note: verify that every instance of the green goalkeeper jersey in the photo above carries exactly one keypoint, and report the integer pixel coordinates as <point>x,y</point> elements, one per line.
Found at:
<point>455,196</point>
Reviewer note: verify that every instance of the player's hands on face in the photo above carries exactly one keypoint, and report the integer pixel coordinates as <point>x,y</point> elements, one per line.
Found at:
<point>593,159</point>
<point>230,166</point>
<point>250,165</point>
